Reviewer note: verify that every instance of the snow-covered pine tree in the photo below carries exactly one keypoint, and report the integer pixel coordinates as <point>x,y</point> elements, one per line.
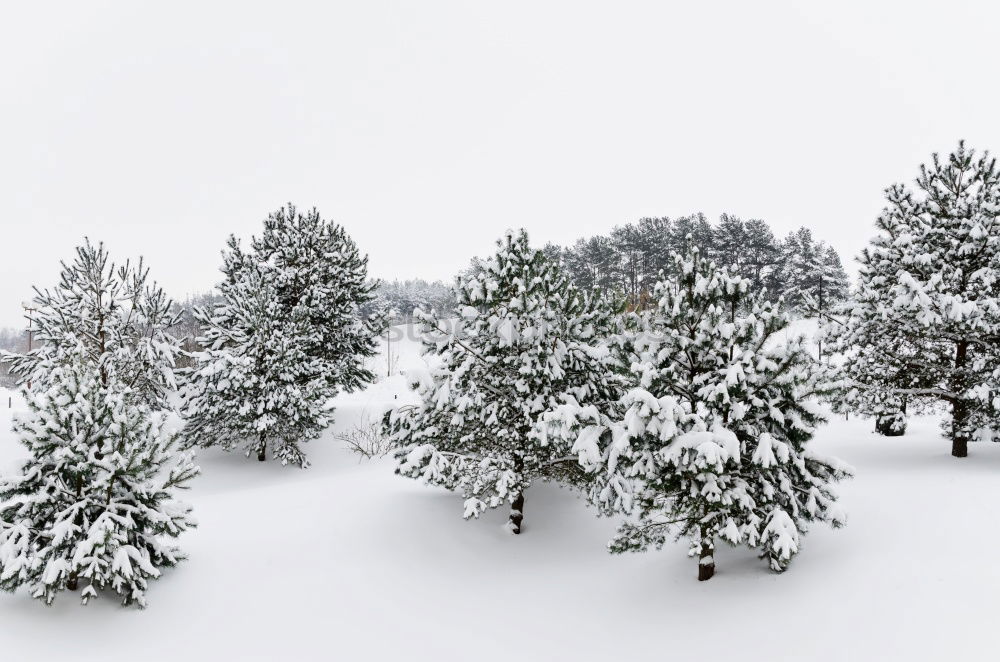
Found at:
<point>255,384</point>
<point>121,318</point>
<point>731,239</point>
<point>95,503</point>
<point>526,341</point>
<point>692,231</point>
<point>798,258</point>
<point>929,285</point>
<point>406,296</point>
<point>761,257</point>
<point>655,233</point>
<point>316,268</point>
<point>871,359</point>
<point>814,280</point>
<point>827,282</point>
<point>711,443</point>
<point>863,374</point>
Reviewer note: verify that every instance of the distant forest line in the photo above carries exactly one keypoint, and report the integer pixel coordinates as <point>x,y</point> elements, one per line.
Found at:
<point>627,260</point>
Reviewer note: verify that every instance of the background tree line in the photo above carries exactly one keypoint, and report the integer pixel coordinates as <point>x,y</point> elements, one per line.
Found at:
<point>628,260</point>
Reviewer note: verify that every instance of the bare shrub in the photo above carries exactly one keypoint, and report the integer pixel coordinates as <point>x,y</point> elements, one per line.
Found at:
<point>366,440</point>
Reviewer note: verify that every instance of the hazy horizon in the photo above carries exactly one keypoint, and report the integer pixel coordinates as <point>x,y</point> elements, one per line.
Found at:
<point>428,129</point>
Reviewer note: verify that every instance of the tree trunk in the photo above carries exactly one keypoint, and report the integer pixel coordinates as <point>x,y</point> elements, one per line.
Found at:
<point>820,343</point>
<point>262,450</point>
<point>516,513</point>
<point>72,582</point>
<point>959,429</point>
<point>959,407</point>
<point>960,447</point>
<point>706,561</point>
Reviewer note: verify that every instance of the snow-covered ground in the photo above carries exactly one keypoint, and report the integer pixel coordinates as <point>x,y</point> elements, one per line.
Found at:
<point>347,561</point>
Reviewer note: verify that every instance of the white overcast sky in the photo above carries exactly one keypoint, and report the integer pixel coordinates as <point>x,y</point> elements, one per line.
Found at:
<point>427,128</point>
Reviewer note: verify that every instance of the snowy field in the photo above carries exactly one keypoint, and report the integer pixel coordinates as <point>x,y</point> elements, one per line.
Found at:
<point>347,561</point>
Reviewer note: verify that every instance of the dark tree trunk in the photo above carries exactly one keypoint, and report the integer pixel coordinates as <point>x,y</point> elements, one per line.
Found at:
<point>72,582</point>
<point>959,429</point>
<point>262,450</point>
<point>517,513</point>
<point>706,561</point>
<point>959,407</point>
<point>960,447</point>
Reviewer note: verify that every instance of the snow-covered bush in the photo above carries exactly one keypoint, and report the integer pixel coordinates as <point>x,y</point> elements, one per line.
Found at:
<point>925,325</point>
<point>95,504</point>
<point>286,338</point>
<point>710,443</point>
<point>527,339</point>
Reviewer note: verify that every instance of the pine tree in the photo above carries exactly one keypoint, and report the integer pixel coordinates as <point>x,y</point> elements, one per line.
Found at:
<point>527,340</point>
<point>315,267</point>
<point>761,258</point>
<point>95,502</point>
<point>692,232</point>
<point>711,442</point>
<point>286,339</point>
<point>826,282</point>
<point>553,252</point>
<point>928,309</point>
<point>731,240</point>
<point>655,236</point>
<point>813,277</point>
<point>872,360</point>
<point>406,296</point>
<point>122,319</point>
<point>800,259</point>
<point>627,243</point>
<point>255,384</point>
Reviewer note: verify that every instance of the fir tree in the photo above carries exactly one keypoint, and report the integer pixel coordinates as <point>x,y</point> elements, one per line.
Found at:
<point>711,442</point>
<point>925,326</point>
<point>95,503</point>
<point>120,317</point>
<point>527,340</point>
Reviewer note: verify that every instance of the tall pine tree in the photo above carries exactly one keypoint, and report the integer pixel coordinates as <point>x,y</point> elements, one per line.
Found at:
<point>711,443</point>
<point>315,267</point>
<point>527,341</point>
<point>95,503</point>
<point>255,385</point>
<point>928,309</point>
<point>287,337</point>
